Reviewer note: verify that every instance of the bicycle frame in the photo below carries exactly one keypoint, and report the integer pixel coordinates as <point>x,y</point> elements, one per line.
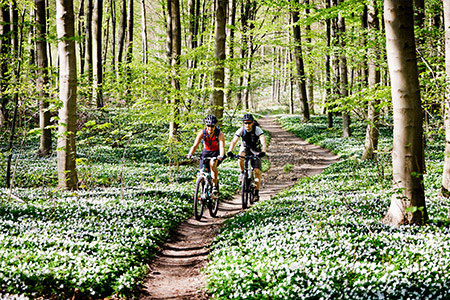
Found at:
<point>204,186</point>
<point>248,186</point>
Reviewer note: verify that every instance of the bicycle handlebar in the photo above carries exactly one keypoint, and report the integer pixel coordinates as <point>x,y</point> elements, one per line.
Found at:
<point>210,158</point>
<point>253,156</point>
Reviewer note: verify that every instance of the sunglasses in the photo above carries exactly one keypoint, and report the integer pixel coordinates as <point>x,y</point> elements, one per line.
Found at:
<point>248,122</point>
<point>210,126</point>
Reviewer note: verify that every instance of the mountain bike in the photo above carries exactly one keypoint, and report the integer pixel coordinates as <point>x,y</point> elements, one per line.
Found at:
<point>203,191</point>
<point>248,182</point>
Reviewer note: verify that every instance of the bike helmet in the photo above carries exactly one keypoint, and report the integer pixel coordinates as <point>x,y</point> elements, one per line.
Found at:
<point>248,117</point>
<point>211,120</point>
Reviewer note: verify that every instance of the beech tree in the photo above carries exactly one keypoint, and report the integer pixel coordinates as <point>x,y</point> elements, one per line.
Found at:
<point>328,66</point>
<point>66,152</point>
<point>174,50</point>
<point>219,56</point>
<point>408,203</point>
<point>446,173</point>
<point>5,26</point>
<point>231,41</point>
<point>42,82</point>
<point>343,75</point>
<point>89,11</point>
<point>245,16</point>
<point>372,133</point>
<point>144,32</point>
<point>301,78</point>
<point>97,63</point>
<point>122,32</point>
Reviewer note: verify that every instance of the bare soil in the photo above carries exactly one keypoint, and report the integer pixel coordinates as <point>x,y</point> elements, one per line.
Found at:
<point>176,272</point>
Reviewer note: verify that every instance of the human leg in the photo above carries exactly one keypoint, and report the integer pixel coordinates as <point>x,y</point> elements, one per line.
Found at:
<point>214,171</point>
<point>257,178</point>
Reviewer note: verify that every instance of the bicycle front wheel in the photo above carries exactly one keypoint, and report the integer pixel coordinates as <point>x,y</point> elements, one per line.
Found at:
<point>198,202</point>
<point>213,206</point>
<point>251,193</point>
<point>244,196</point>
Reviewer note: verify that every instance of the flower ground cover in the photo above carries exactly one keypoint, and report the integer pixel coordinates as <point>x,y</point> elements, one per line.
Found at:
<point>98,239</point>
<point>323,238</point>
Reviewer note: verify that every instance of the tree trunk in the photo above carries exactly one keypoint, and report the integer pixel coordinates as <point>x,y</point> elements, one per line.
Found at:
<point>97,20</point>
<point>122,33</point>
<point>89,11</point>
<point>5,24</point>
<point>175,64</point>
<point>67,174</point>
<point>130,33</point>
<point>301,78</point>
<point>15,27</point>
<point>328,69</point>
<point>310,79</point>
<point>372,133</point>
<point>250,52</point>
<point>408,204</point>
<point>194,10</point>
<point>274,59</point>
<point>231,52</point>
<point>17,45</point>
<point>364,65</point>
<point>82,43</point>
<point>291,88</point>
<point>144,33</point>
<point>336,76</point>
<point>245,11</point>
<point>344,77</point>
<point>42,81</point>
<point>113,34</point>
<point>169,30</point>
<point>446,174</point>
<point>105,37</point>
<point>219,56</point>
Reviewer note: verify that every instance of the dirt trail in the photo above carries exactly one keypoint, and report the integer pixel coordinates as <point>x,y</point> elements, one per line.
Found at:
<point>175,273</point>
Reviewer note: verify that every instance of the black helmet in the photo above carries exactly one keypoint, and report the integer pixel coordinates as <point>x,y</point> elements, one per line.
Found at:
<point>211,120</point>
<point>248,117</point>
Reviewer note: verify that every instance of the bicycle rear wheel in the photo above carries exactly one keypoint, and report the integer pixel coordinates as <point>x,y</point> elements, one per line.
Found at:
<point>198,202</point>
<point>244,196</point>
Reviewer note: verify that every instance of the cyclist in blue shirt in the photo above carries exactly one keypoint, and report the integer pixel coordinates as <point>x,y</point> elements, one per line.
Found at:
<point>253,142</point>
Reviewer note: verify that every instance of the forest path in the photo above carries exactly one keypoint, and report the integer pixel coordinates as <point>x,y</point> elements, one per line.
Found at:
<point>175,272</point>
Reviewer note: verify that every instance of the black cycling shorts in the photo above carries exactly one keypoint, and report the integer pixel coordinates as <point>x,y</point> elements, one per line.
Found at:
<point>206,155</point>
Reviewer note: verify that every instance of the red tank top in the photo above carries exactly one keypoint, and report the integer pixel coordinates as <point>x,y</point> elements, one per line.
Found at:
<point>211,143</point>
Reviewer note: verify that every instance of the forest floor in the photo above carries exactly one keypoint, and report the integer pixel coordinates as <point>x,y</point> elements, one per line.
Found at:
<point>176,272</point>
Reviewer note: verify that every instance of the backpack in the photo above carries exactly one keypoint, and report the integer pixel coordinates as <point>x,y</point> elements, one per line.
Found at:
<point>251,141</point>
<point>216,134</point>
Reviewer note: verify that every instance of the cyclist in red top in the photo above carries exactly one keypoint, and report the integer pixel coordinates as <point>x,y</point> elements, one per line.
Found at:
<point>214,146</point>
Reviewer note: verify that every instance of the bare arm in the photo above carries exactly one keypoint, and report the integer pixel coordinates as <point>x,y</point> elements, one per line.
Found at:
<point>197,141</point>
<point>222,144</point>
<point>262,139</point>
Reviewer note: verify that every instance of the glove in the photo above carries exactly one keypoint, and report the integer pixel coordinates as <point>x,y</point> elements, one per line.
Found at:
<point>261,154</point>
<point>230,154</point>
<point>188,156</point>
<point>220,157</point>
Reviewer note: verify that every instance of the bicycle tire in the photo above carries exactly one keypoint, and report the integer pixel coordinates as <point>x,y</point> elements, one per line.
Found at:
<point>244,196</point>
<point>198,202</point>
<point>213,206</point>
<point>251,193</point>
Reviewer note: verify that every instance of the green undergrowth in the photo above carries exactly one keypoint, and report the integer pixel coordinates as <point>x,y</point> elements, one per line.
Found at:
<point>98,239</point>
<point>323,238</point>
